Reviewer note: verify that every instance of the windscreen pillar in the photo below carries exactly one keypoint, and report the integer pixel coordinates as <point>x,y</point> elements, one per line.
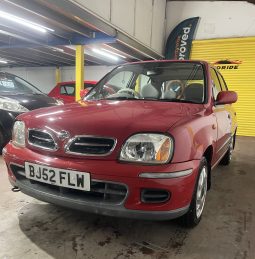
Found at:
<point>79,71</point>
<point>58,75</point>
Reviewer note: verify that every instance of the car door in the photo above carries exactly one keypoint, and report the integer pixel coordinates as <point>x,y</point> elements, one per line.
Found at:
<point>223,118</point>
<point>228,107</point>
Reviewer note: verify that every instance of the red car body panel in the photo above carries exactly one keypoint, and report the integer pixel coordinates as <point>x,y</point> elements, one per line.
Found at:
<point>55,92</point>
<point>181,188</point>
<point>194,128</point>
<point>109,113</point>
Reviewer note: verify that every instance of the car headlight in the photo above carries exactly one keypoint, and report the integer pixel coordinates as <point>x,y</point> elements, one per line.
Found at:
<point>149,148</point>
<point>11,105</point>
<point>19,134</point>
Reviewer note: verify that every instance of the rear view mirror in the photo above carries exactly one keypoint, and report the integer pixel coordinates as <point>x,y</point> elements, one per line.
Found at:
<point>226,97</point>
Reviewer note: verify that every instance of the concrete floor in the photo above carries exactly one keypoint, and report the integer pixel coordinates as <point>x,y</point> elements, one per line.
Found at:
<point>33,229</point>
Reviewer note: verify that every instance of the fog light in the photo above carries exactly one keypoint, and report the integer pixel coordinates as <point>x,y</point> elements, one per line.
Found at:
<point>154,196</point>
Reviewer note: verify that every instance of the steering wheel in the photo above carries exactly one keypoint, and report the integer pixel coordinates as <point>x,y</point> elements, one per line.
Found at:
<point>177,86</point>
<point>130,91</point>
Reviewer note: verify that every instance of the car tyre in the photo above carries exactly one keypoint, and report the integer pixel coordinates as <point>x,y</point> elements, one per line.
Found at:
<point>228,156</point>
<point>1,142</point>
<point>194,214</point>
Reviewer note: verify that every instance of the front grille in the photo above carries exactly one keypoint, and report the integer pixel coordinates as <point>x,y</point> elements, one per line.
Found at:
<point>41,139</point>
<point>100,191</point>
<point>154,196</point>
<point>91,146</point>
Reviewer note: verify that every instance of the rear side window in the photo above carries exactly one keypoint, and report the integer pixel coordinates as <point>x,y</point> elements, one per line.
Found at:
<point>67,90</point>
<point>216,83</point>
<point>222,82</point>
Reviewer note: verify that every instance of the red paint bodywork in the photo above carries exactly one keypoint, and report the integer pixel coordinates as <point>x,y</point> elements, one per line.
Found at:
<point>194,128</point>
<point>55,92</point>
<point>226,97</point>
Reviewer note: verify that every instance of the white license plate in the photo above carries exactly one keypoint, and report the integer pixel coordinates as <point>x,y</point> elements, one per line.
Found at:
<point>60,177</point>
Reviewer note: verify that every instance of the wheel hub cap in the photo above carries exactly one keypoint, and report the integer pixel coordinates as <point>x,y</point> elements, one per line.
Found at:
<point>201,192</point>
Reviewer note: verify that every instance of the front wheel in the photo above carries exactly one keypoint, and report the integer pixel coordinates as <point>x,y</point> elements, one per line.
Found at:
<point>1,141</point>
<point>194,215</point>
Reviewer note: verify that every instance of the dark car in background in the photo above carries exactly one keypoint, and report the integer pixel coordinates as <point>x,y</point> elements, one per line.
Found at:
<point>65,91</point>
<point>18,96</point>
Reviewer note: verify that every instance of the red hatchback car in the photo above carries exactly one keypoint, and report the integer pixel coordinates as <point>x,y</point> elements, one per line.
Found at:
<point>65,91</point>
<point>141,144</point>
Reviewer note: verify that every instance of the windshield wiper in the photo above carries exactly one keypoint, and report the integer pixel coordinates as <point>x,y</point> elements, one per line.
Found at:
<point>151,98</point>
<point>121,98</point>
<point>178,101</point>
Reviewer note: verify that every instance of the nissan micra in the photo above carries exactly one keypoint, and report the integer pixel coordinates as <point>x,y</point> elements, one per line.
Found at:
<point>142,144</point>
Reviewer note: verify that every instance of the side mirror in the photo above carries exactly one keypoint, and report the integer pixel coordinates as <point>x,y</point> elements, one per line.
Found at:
<point>226,97</point>
<point>83,92</point>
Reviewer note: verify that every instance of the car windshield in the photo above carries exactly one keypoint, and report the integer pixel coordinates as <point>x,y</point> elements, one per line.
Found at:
<point>14,84</point>
<point>161,81</point>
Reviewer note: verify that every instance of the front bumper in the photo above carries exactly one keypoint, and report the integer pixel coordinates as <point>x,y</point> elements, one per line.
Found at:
<point>108,210</point>
<point>181,188</point>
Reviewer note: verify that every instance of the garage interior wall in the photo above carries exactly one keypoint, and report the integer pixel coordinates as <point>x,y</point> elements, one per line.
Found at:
<point>145,20</point>
<point>221,22</point>
<point>44,78</point>
<point>219,19</point>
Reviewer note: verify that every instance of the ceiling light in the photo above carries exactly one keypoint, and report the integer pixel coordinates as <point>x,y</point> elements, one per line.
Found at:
<point>3,61</point>
<point>105,54</point>
<point>24,22</point>
<point>114,53</point>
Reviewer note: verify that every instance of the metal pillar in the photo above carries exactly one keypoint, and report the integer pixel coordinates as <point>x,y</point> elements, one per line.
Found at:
<point>58,75</point>
<point>79,71</point>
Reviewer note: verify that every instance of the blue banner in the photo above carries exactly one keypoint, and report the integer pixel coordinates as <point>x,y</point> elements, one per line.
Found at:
<point>179,42</point>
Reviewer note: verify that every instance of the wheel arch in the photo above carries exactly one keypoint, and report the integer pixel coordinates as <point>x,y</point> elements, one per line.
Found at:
<point>208,154</point>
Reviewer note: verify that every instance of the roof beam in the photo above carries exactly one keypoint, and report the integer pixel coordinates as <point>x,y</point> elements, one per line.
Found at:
<point>126,51</point>
<point>31,39</point>
<point>51,16</point>
<point>23,13</point>
<point>30,56</point>
<point>87,57</point>
<point>53,55</point>
<point>138,47</point>
<point>79,14</point>
<point>19,59</point>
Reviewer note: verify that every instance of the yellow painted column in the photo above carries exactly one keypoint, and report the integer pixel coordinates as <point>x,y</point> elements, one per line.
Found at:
<point>58,75</point>
<point>79,71</point>
<point>138,84</point>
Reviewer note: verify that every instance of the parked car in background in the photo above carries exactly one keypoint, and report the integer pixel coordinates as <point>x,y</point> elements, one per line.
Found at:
<point>141,144</point>
<point>65,91</point>
<point>18,96</point>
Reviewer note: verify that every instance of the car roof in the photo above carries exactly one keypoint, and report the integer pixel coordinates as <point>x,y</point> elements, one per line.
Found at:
<point>73,82</point>
<point>169,61</point>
